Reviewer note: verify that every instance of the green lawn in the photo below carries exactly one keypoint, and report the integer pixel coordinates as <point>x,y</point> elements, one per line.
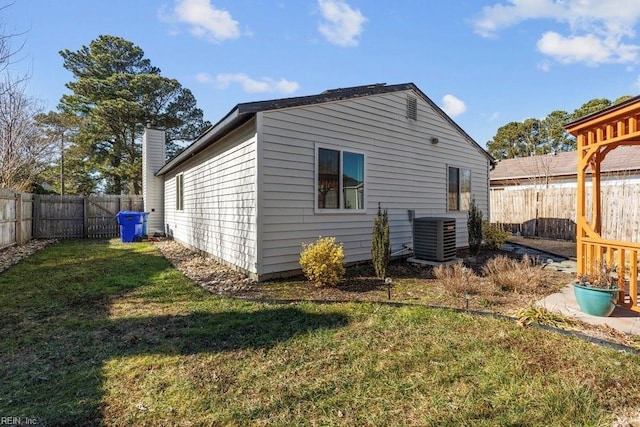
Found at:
<point>100,332</point>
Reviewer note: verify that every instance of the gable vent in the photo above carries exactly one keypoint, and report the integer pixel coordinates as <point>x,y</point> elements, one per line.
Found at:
<point>412,108</point>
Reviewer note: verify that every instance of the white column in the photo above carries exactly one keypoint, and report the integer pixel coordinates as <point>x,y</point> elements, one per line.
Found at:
<point>153,143</point>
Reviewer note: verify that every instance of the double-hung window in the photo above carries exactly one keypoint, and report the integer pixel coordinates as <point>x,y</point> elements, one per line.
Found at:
<point>459,189</point>
<point>339,180</point>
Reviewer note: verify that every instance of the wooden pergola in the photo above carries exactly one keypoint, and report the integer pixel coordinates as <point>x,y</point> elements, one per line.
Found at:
<point>596,136</point>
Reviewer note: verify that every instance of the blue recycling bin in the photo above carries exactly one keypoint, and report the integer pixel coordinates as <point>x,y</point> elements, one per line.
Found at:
<point>131,225</point>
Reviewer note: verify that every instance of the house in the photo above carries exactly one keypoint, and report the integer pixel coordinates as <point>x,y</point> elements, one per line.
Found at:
<point>536,196</point>
<point>560,170</point>
<point>272,175</point>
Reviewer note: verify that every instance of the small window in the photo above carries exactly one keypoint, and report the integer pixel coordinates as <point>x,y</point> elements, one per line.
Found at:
<point>459,189</point>
<point>340,180</point>
<point>412,108</point>
<point>179,192</point>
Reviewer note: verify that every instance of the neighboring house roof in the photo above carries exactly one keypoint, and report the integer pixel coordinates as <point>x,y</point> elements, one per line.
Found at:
<point>564,164</point>
<point>241,113</point>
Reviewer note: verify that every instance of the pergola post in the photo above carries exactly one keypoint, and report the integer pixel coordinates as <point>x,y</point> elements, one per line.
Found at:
<point>580,210</point>
<point>596,135</point>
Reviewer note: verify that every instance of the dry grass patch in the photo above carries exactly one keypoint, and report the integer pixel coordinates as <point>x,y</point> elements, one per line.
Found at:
<point>512,275</point>
<point>459,280</point>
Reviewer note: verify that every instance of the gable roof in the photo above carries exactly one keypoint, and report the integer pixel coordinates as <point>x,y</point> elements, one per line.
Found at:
<point>564,164</point>
<point>243,112</point>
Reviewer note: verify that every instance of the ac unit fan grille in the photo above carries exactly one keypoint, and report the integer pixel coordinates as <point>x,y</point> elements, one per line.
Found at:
<point>434,239</point>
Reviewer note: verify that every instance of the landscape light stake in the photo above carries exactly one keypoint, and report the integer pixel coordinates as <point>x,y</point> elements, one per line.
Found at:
<point>388,282</point>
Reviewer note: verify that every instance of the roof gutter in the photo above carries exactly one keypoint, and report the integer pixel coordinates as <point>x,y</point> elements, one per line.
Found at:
<point>216,131</point>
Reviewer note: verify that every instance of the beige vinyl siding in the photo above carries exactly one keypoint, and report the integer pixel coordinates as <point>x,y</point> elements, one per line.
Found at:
<point>403,171</point>
<point>219,215</point>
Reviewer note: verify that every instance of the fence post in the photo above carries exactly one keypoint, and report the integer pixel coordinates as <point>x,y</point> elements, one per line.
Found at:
<point>19,238</point>
<point>85,217</point>
<point>35,221</point>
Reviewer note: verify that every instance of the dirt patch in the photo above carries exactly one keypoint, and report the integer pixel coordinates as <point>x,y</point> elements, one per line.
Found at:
<point>561,248</point>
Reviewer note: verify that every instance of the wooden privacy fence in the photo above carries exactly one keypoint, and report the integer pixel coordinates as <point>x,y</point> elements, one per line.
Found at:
<point>74,217</point>
<point>550,213</point>
<point>16,214</point>
<point>25,216</point>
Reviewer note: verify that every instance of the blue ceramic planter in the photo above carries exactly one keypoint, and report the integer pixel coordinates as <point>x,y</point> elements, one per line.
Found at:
<point>595,301</point>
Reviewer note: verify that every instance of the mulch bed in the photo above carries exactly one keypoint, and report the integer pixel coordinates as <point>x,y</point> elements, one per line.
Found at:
<point>14,254</point>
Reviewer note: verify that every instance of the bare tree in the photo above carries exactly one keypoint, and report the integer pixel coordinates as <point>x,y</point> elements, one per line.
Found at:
<point>9,50</point>
<point>24,152</point>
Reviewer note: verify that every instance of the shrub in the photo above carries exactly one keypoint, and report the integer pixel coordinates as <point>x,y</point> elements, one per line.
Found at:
<point>494,237</point>
<point>458,280</point>
<point>380,243</point>
<point>322,261</point>
<point>512,275</point>
<point>474,228</point>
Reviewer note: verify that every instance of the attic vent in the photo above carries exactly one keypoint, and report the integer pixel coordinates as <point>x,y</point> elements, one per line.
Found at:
<point>412,108</point>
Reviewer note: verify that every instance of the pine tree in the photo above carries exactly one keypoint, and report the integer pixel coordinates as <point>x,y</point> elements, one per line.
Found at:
<point>474,228</point>
<point>115,93</point>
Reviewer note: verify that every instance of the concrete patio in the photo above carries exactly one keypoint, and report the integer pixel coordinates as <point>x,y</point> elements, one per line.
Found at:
<point>562,257</point>
<point>564,302</point>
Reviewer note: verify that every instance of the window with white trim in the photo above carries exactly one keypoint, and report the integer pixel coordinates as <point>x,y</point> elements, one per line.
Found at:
<point>339,179</point>
<point>459,189</point>
<point>180,192</point>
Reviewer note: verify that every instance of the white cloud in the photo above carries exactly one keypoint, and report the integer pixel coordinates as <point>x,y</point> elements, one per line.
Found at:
<point>250,85</point>
<point>453,106</point>
<point>204,78</point>
<point>342,25</point>
<point>587,48</point>
<point>545,66</point>
<point>499,16</point>
<point>204,20</point>
<point>595,29</point>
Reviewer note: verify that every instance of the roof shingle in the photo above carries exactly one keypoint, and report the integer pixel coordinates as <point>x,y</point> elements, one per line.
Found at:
<point>624,158</point>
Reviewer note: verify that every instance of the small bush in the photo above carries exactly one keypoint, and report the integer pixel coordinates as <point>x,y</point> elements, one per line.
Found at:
<point>474,228</point>
<point>458,280</point>
<point>512,275</point>
<point>494,237</point>
<point>322,261</point>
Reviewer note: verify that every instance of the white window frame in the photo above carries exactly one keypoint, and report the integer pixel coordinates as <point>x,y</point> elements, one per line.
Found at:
<point>460,171</point>
<point>179,181</point>
<point>341,209</point>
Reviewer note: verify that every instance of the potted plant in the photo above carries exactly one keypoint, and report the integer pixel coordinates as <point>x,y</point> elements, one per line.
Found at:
<point>597,291</point>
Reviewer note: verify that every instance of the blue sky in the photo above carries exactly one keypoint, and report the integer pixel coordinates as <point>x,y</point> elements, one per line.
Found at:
<point>486,63</point>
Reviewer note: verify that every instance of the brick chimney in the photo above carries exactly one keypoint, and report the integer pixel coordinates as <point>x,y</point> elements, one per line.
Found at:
<point>153,141</point>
